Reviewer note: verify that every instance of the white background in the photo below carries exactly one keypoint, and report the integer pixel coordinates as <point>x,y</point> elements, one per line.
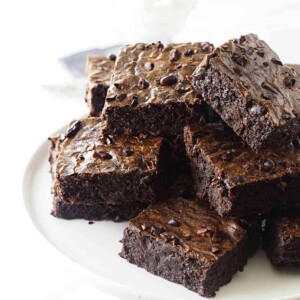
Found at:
<point>33,35</point>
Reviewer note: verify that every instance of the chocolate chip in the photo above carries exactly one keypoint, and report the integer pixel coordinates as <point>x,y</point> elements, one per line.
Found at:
<point>186,235</point>
<point>112,57</point>
<point>73,129</point>
<point>289,81</point>
<point>207,47</point>
<point>227,156</point>
<point>217,236</point>
<point>201,231</point>
<point>240,179</point>
<point>156,231</point>
<point>267,165</point>
<point>214,250</point>
<point>159,46</point>
<point>260,53</point>
<point>117,219</point>
<point>182,90</point>
<point>241,60</point>
<point>265,64</point>
<point>111,98</point>
<point>258,110</point>
<point>267,96</point>
<point>269,87</point>
<point>296,144</point>
<point>119,85</point>
<point>142,84</point>
<point>174,223</point>
<point>128,151</point>
<point>121,97</point>
<point>140,46</point>
<point>286,116</point>
<point>238,71</point>
<point>102,155</point>
<point>276,62</point>
<point>134,100</point>
<point>168,80</point>
<point>188,52</point>
<point>149,66</point>
<point>229,184</point>
<point>174,55</point>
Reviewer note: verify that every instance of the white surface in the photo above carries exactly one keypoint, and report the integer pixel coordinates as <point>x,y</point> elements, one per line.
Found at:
<point>96,248</point>
<point>34,34</point>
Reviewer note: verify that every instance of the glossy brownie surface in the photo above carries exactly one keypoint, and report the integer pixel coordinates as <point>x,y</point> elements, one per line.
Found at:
<point>200,232</point>
<point>86,150</point>
<point>154,73</point>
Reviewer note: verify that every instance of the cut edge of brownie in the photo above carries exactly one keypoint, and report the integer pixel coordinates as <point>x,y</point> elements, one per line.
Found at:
<point>96,212</point>
<point>165,119</point>
<point>165,261</point>
<point>280,253</point>
<point>236,200</point>
<point>218,89</point>
<point>95,97</point>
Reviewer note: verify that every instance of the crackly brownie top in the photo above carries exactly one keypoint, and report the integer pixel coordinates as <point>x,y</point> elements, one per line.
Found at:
<point>235,163</point>
<point>270,87</point>
<point>195,229</point>
<point>85,150</point>
<point>99,67</point>
<point>154,73</point>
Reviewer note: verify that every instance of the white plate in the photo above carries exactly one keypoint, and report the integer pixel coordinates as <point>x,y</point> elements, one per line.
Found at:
<point>96,248</point>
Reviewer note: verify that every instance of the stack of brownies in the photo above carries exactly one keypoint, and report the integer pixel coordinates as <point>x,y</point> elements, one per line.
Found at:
<point>197,146</point>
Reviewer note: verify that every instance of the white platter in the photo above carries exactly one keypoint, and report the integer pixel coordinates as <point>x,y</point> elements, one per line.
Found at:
<point>96,247</point>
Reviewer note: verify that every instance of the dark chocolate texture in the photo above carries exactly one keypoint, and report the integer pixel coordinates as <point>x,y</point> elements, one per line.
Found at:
<point>92,168</point>
<point>254,93</point>
<point>150,91</point>
<point>236,180</point>
<point>187,243</point>
<point>281,238</point>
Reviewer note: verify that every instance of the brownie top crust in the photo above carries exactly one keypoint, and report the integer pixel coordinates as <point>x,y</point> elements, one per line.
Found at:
<point>197,230</point>
<point>85,150</point>
<point>99,68</point>
<point>270,87</point>
<point>235,162</point>
<point>155,74</point>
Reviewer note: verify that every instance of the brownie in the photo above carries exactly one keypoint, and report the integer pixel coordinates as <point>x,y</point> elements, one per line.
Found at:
<point>254,93</point>
<point>150,91</point>
<point>281,238</point>
<point>99,69</point>
<point>98,211</point>
<point>236,180</point>
<point>295,67</point>
<point>91,168</point>
<point>187,243</point>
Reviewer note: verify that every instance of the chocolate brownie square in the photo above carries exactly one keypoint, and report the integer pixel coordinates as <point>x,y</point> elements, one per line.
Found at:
<point>236,180</point>
<point>150,91</point>
<point>99,69</point>
<point>281,238</point>
<point>254,93</point>
<point>92,169</point>
<point>187,243</point>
